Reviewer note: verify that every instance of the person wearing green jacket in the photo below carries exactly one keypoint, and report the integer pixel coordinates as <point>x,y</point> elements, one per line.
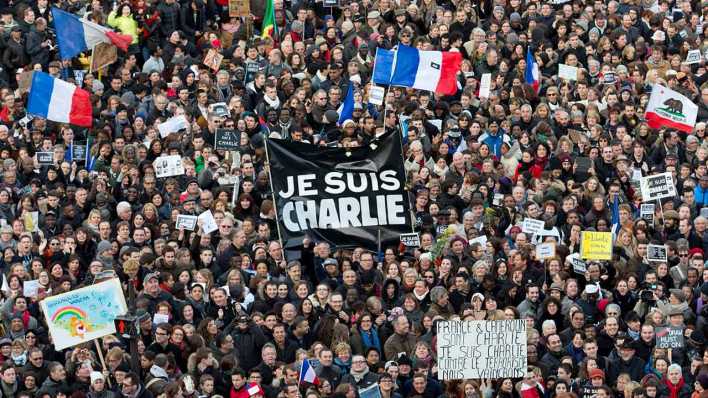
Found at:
<point>126,23</point>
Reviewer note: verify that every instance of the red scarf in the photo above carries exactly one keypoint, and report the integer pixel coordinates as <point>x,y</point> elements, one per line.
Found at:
<point>674,389</point>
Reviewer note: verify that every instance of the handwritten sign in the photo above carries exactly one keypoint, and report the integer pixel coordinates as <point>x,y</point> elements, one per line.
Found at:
<point>227,139</point>
<point>669,337</point>
<point>567,72</point>
<point>596,245</point>
<point>84,314</point>
<point>481,349</point>
<point>531,226</point>
<point>545,250</point>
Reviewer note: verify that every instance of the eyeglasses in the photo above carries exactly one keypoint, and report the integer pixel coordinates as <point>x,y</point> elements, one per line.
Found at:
<point>160,334</point>
<point>683,254</point>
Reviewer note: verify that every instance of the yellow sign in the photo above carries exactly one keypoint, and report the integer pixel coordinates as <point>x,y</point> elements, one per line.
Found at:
<point>596,245</point>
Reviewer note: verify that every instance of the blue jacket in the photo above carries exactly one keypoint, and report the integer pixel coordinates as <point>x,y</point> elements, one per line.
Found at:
<point>701,196</point>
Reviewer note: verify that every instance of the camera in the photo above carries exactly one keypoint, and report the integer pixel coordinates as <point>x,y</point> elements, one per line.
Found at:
<point>646,295</point>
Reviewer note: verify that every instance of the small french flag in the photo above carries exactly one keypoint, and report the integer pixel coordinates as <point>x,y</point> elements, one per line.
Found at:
<point>254,390</point>
<point>76,35</point>
<point>307,373</point>
<point>532,74</point>
<point>59,101</point>
<point>426,70</point>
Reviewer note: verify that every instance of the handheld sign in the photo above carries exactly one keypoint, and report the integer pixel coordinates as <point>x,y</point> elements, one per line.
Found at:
<point>545,250</point>
<point>227,139</point>
<point>45,158</point>
<point>596,245</point>
<point>376,95</point>
<point>693,57</point>
<point>79,152</point>
<point>186,222</point>
<point>485,85</point>
<point>531,226</point>
<point>168,166</point>
<point>647,212</point>
<point>481,349</point>
<point>579,266</point>
<point>411,240</point>
<point>657,253</point>
<point>567,72</point>
<point>657,186</point>
<point>669,337</point>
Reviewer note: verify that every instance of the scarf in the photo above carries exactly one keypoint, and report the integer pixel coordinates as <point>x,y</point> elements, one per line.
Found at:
<point>674,389</point>
<point>358,376</point>
<point>275,104</point>
<point>370,339</point>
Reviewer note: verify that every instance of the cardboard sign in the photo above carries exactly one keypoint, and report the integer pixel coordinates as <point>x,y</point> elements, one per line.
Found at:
<point>693,57</point>
<point>186,222</point>
<point>376,95</point>
<point>45,158</point>
<point>411,240</point>
<point>596,245</point>
<point>567,72</point>
<point>669,337</point>
<point>531,226</point>
<point>239,8</point>
<point>213,60</point>
<point>227,139</point>
<point>657,253</point>
<point>85,314</point>
<point>646,211</point>
<point>481,349</point>
<point>657,186</point>
<point>168,166</point>
<point>545,250</point>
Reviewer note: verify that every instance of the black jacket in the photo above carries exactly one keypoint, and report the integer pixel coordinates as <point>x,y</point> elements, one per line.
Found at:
<point>249,343</point>
<point>37,53</point>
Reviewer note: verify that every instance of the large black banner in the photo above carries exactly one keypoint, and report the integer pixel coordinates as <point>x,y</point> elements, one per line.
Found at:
<point>342,196</point>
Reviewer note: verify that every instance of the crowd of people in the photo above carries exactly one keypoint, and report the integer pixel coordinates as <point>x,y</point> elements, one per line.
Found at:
<point>243,312</point>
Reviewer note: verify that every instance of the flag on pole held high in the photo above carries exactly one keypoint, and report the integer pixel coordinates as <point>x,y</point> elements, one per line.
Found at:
<point>76,35</point>
<point>346,110</point>
<point>59,101</point>
<point>668,108</point>
<point>434,71</point>
<point>269,29</point>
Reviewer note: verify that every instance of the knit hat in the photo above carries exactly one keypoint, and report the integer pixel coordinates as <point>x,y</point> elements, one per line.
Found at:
<point>103,246</point>
<point>96,376</point>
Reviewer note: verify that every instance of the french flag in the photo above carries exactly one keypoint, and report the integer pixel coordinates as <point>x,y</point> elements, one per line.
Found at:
<point>307,373</point>
<point>532,74</point>
<point>59,101</point>
<point>75,35</point>
<point>426,70</point>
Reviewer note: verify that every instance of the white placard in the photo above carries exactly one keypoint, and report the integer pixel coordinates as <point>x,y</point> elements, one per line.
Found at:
<point>693,57</point>
<point>30,288</point>
<point>172,125</point>
<point>437,123</point>
<point>657,186</point>
<point>208,222</point>
<point>376,95</point>
<point>567,72</point>
<point>485,85</point>
<point>545,250</point>
<point>168,166</point>
<point>482,240</point>
<point>186,222</point>
<point>481,349</point>
<point>531,226</point>
<point>160,318</point>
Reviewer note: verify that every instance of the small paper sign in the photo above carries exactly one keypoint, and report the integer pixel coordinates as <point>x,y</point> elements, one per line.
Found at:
<point>239,8</point>
<point>531,226</point>
<point>227,139</point>
<point>411,240</point>
<point>567,72</point>
<point>30,288</point>
<point>160,318</point>
<point>168,166</point>
<point>208,222</point>
<point>579,266</point>
<point>669,337</point>
<point>545,250</point>
<point>647,212</point>
<point>376,95</point>
<point>186,222</point>
<point>213,60</point>
<point>609,78</point>
<point>172,125</point>
<point>657,253</point>
<point>45,158</point>
<point>693,57</point>
<point>485,85</point>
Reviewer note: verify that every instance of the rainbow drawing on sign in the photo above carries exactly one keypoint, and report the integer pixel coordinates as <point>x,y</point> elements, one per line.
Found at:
<point>73,319</point>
